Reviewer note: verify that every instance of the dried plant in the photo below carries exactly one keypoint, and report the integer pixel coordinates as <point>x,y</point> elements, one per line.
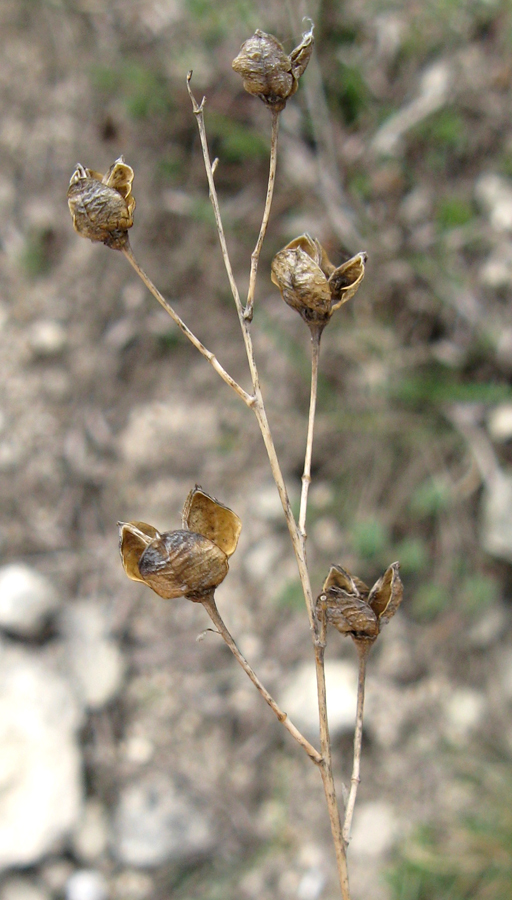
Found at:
<point>192,561</point>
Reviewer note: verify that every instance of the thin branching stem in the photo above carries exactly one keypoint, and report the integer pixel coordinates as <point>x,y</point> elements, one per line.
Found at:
<point>363,648</point>
<point>212,610</point>
<point>212,359</point>
<point>255,257</point>
<point>298,543</point>
<point>306,477</point>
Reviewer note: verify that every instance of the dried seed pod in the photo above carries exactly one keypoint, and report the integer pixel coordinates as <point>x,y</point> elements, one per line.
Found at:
<point>348,604</point>
<point>208,517</point>
<point>268,72</point>
<point>102,206</point>
<point>182,563</point>
<point>190,562</point>
<point>311,284</point>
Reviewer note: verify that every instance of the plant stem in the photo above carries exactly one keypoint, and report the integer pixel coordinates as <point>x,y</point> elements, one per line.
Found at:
<point>326,768</point>
<point>264,222</point>
<point>306,477</point>
<point>211,608</point>
<point>363,649</point>
<point>212,359</point>
<point>298,542</point>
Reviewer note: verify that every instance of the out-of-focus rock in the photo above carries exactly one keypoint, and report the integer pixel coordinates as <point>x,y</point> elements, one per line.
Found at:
<point>90,839</point>
<point>299,699</point>
<point>433,93</point>
<point>156,430</point>
<point>132,885</point>
<point>489,626</point>
<point>93,657</point>
<point>499,422</point>
<point>496,530</point>
<point>27,599</point>
<point>47,337</point>
<point>40,771</point>
<point>375,829</point>
<point>86,884</point>
<point>464,711</point>
<point>155,822</point>
<point>496,271</point>
<point>494,194</point>
<point>20,888</point>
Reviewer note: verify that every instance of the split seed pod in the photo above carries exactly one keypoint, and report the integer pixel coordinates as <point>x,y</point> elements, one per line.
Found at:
<point>190,562</point>
<point>268,72</point>
<point>353,608</point>
<point>311,284</point>
<point>102,206</point>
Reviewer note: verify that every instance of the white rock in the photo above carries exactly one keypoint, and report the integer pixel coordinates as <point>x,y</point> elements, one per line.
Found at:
<point>505,672</point>
<point>299,699</point>
<point>494,193</point>
<point>91,837</point>
<point>27,598</point>
<point>86,884</point>
<point>496,271</point>
<point>133,885</point>
<point>375,829</point>
<point>19,888</point>
<point>463,713</point>
<point>40,764</point>
<point>499,422</point>
<point>433,93</point>
<point>47,337</point>
<point>489,626</point>
<point>496,530</point>
<point>155,822</point>
<point>92,656</point>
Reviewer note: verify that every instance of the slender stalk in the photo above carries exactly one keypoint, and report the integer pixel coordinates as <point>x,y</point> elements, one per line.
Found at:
<point>264,222</point>
<point>326,768</point>
<point>363,648</point>
<point>211,608</point>
<point>297,542</point>
<point>212,359</point>
<point>306,477</point>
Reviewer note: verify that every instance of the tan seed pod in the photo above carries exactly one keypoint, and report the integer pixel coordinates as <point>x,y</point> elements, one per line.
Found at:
<point>205,515</point>
<point>348,604</point>
<point>387,593</point>
<point>268,72</point>
<point>310,283</point>
<point>102,206</point>
<point>182,563</point>
<point>134,537</point>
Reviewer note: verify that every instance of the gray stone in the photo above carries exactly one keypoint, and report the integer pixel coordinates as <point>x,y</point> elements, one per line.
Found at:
<point>299,699</point>
<point>27,598</point>
<point>93,657</point>
<point>496,533</point>
<point>19,888</point>
<point>86,884</point>
<point>375,829</point>
<point>40,770</point>
<point>155,822</point>
<point>91,837</point>
<point>494,193</point>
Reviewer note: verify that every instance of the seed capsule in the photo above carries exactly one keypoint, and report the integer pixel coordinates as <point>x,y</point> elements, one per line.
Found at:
<point>102,206</point>
<point>354,609</point>
<point>268,72</point>
<point>311,284</point>
<point>190,562</point>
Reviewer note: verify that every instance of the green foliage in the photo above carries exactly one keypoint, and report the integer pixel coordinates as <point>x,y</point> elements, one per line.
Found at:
<point>369,538</point>
<point>412,554</point>
<point>470,859</point>
<point>453,212</point>
<point>350,94</point>
<point>144,91</point>
<point>238,144</point>
<point>438,385</point>
<point>430,497</point>
<point>429,600</point>
<point>291,596</point>
<point>477,590</point>
<point>35,258</point>
<point>214,21</point>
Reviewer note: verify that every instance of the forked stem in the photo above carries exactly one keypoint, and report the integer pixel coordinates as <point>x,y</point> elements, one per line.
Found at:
<point>298,542</point>
<point>255,257</point>
<point>211,608</point>
<point>363,649</point>
<point>212,359</point>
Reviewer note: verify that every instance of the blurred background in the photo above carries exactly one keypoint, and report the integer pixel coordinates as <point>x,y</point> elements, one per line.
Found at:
<point>137,763</point>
